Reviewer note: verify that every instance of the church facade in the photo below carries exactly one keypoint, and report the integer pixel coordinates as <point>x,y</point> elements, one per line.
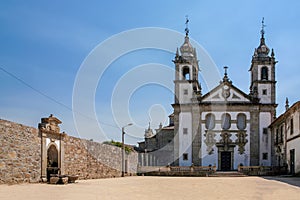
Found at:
<point>225,127</point>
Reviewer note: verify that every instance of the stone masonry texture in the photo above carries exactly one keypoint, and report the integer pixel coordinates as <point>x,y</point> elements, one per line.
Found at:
<point>20,153</point>
<point>20,156</point>
<point>90,160</point>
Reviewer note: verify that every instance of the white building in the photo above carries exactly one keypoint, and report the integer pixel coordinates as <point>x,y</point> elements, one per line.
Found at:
<point>286,137</point>
<point>225,127</point>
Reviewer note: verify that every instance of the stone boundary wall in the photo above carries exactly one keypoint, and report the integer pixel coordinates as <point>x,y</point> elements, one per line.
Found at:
<point>20,153</point>
<point>20,156</point>
<point>91,160</point>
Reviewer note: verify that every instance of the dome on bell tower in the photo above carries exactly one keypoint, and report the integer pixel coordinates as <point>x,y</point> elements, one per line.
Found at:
<point>262,50</point>
<point>186,48</point>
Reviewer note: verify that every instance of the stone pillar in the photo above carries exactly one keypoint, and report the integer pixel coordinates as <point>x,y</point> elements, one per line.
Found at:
<point>147,159</point>
<point>254,136</point>
<point>62,153</point>
<point>196,131</point>
<point>153,160</point>
<point>43,157</point>
<point>176,135</point>
<point>273,154</point>
<point>141,159</point>
<point>150,159</point>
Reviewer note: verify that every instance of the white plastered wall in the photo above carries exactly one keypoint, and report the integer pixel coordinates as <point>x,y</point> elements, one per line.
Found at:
<point>185,98</point>
<point>294,144</point>
<point>185,140</point>
<point>265,139</point>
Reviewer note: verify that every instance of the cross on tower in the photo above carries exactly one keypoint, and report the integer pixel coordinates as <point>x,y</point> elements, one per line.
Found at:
<point>263,27</point>
<point>187,26</point>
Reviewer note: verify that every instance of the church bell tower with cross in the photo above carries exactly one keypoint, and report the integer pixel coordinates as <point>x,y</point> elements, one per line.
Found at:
<point>187,89</point>
<point>187,69</point>
<point>262,71</point>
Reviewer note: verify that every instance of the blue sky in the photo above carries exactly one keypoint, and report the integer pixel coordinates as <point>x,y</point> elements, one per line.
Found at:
<point>44,43</point>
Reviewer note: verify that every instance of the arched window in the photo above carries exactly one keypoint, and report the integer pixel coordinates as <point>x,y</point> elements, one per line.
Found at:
<point>264,73</point>
<point>186,73</point>
<point>209,121</point>
<point>241,121</point>
<point>226,121</point>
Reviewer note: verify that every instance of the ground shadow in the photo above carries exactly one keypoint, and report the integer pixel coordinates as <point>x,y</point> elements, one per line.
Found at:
<point>295,181</point>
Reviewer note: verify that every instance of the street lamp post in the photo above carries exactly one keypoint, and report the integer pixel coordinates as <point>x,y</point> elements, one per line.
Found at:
<point>123,148</point>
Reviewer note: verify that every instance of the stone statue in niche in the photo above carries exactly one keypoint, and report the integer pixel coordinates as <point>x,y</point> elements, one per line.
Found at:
<point>225,140</point>
<point>210,142</point>
<point>241,141</point>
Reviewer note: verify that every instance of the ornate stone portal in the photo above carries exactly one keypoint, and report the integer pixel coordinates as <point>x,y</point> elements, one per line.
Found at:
<point>52,147</point>
<point>225,152</point>
<point>225,146</point>
<point>225,141</point>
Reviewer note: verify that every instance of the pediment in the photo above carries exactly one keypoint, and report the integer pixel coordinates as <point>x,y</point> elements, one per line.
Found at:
<point>226,93</point>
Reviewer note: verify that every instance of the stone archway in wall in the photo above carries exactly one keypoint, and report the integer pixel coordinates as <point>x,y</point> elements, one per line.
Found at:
<point>53,164</point>
<point>52,156</point>
<point>52,147</point>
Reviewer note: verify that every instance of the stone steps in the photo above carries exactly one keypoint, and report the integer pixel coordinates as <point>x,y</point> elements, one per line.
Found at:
<point>227,174</point>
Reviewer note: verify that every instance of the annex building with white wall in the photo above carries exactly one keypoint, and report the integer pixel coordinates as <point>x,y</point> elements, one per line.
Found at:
<point>286,132</point>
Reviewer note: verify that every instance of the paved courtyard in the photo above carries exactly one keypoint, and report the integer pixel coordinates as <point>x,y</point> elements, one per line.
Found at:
<point>144,188</point>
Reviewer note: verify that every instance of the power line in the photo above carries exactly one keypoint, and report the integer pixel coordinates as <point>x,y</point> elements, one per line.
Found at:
<point>52,99</point>
<point>36,90</point>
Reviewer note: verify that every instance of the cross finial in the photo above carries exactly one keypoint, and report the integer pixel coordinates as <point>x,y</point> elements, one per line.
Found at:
<point>225,78</point>
<point>263,27</point>
<point>187,25</point>
<point>225,68</point>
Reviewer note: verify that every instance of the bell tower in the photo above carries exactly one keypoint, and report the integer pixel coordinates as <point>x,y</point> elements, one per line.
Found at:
<point>187,90</point>
<point>263,94</point>
<point>263,81</point>
<point>186,73</point>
